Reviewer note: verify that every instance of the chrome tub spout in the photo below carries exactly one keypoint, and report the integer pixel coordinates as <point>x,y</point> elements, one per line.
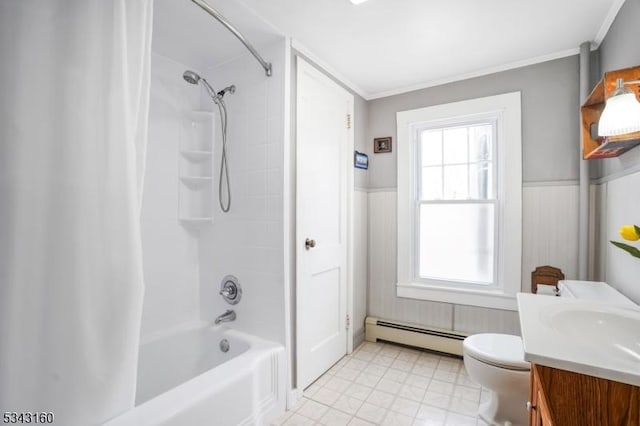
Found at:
<point>226,317</point>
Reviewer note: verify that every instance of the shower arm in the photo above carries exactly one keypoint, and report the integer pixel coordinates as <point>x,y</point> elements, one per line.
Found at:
<point>211,11</point>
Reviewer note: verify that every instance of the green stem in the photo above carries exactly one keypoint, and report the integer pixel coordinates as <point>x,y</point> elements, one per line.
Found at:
<point>633,251</point>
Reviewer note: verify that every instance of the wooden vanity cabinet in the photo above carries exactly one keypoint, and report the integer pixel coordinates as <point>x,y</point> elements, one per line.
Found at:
<point>538,407</point>
<point>563,398</point>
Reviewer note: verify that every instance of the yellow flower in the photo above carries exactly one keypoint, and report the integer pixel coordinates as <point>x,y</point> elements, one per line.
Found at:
<point>629,233</point>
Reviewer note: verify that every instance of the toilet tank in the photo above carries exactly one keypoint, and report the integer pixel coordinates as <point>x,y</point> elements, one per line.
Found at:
<point>592,290</point>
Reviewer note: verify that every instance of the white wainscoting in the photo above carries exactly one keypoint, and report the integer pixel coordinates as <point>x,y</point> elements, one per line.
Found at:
<point>474,319</point>
<point>550,212</point>
<point>597,231</point>
<point>383,302</point>
<point>550,230</point>
<point>621,206</point>
<point>360,266</point>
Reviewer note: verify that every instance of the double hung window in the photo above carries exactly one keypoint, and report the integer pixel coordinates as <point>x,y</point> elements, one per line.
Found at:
<point>456,204</point>
<point>459,202</point>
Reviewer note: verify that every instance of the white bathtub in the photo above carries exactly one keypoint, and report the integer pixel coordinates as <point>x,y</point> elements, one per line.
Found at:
<point>185,379</point>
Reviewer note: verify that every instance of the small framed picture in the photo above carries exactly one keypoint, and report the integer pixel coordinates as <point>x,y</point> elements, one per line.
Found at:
<point>360,160</point>
<point>382,145</point>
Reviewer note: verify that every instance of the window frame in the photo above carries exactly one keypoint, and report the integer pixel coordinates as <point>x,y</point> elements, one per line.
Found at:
<point>507,163</point>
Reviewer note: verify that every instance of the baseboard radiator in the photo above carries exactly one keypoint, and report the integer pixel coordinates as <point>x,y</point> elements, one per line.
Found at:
<point>445,341</point>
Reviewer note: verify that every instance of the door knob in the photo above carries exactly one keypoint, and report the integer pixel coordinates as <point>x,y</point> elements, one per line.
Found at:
<point>309,244</point>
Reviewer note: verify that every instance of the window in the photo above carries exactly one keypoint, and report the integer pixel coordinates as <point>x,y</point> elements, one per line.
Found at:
<point>459,202</point>
<point>456,203</point>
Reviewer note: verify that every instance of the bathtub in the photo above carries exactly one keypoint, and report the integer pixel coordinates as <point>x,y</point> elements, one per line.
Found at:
<point>184,378</point>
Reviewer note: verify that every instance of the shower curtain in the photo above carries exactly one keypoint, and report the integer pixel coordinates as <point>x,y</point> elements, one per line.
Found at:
<point>74,83</point>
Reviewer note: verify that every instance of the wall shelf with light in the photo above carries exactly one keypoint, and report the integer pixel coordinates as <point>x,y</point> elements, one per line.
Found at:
<point>593,144</point>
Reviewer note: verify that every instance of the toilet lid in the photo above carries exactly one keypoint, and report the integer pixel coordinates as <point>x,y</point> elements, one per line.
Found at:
<point>501,350</point>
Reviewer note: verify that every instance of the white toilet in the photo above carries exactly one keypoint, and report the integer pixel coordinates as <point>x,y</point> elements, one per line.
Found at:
<point>496,361</point>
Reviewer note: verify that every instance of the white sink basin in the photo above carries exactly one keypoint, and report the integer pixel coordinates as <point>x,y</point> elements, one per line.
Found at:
<point>587,337</point>
<point>609,330</point>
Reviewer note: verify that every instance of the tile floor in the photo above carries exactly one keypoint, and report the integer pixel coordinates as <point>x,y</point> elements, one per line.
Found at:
<point>387,384</point>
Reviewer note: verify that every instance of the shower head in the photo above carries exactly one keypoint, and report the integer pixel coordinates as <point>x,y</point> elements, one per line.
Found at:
<point>191,77</point>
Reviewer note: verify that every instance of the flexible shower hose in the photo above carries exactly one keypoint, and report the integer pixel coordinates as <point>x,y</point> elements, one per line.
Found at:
<point>224,169</point>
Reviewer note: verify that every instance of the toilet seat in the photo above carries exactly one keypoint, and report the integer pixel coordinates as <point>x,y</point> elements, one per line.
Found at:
<point>500,350</point>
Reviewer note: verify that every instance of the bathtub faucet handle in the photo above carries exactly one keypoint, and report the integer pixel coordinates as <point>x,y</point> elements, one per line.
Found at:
<point>228,292</point>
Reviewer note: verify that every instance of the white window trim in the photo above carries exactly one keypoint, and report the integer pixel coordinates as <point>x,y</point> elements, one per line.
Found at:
<point>509,230</point>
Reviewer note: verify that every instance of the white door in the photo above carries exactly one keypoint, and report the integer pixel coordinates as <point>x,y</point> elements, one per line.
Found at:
<point>324,142</point>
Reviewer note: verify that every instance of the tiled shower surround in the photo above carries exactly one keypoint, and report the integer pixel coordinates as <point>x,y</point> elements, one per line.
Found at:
<point>248,241</point>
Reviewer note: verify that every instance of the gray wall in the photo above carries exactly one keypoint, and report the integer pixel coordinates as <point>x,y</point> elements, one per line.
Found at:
<point>550,120</point>
<point>360,214</point>
<point>620,50</point>
<point>620,175</point>
<point>361,138</point>
<point>550,115</point>
<point>550,112</point>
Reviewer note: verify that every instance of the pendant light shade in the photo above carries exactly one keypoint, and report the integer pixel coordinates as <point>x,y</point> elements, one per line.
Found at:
<point>621,114</point>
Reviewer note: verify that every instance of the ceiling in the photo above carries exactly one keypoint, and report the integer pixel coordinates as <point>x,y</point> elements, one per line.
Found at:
<point>383,47</point>
<point>187,34</point>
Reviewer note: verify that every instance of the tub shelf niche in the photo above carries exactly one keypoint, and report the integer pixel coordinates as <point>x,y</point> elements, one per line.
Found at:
<point>196,220</point>
<point>195,155</point>
<point>196,180</point>
<point>195,162</point>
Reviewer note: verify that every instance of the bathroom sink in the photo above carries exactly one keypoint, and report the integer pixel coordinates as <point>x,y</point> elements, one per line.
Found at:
<point>583,336</point>
<point>611,331</point>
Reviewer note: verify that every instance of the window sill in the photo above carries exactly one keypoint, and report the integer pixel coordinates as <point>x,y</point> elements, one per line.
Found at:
<point>495,299</point>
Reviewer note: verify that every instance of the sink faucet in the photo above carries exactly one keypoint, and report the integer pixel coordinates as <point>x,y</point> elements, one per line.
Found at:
<point>226,317</point>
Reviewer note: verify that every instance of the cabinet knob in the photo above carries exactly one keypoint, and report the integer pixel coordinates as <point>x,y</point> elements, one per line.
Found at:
<point>309,244</point>
<point>530,406</point>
